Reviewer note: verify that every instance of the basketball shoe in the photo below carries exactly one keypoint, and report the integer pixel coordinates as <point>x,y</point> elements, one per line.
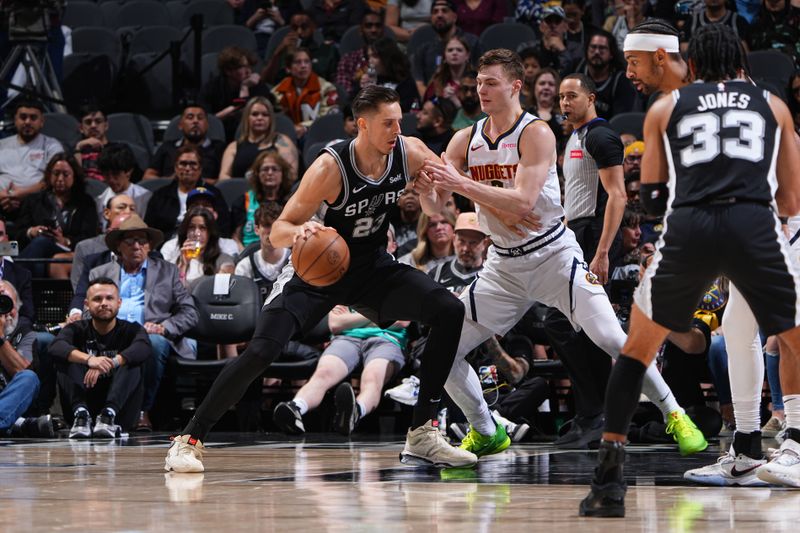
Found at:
<point>690,439</point>
<point>783,467</point>
<point>607,497</point>
<point>426,446</point>
<point>104,426</point>
<point>347,414</point>
<point>730,469</point>
<point>482,445</point>
<point>288,418</point>
<point>81,426</point>
<point>405,393</point>
<point>185,455</point>
<point>516,431</point>
<point>773,427</point>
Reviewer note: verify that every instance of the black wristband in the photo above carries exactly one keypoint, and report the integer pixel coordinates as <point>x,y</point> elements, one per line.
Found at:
<point>784,220</point>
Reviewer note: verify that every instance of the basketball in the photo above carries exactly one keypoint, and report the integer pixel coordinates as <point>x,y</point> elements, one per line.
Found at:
<point>322,259</point>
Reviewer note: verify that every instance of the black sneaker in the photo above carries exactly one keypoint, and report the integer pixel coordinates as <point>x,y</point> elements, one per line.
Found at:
<point>582,432</point>
<point>38,427</point>
<point>104,426</point>
<point>606,499</point>
<point>288,418</point>
<point>347,414</point>
<point>81,426</point>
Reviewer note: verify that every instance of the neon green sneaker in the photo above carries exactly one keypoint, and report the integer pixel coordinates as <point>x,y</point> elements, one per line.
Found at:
<point>482,445</point>
<point>690,440</point>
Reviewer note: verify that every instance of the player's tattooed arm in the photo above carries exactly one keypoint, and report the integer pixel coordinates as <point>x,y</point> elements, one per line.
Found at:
<point>322,182</point>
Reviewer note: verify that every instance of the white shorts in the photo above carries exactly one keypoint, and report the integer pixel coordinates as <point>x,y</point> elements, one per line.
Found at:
<point>556,276</point>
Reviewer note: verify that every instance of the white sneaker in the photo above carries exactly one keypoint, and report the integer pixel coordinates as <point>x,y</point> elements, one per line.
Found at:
<point>729,470</point>
<point>515,431</point>
<point>783,467</point>
<point>426,446</point>
<point>405,393</point>
<point>184,455</point>
<point>773,427</point>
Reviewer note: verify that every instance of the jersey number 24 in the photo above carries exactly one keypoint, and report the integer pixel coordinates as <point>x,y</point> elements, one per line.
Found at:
<point>706,143</point>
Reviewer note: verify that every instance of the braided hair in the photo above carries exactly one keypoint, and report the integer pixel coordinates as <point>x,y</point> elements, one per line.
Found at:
<point>716,52</point>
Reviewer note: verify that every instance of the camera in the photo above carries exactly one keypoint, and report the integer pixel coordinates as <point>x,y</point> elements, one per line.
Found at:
<point>29,20</point>
<point>6,304</point>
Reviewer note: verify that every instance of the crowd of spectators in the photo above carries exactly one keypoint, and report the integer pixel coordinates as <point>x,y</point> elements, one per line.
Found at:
<point>89,211</point>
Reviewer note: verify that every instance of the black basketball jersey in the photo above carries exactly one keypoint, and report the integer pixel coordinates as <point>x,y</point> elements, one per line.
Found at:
<point>723,138</point>
<point>361,212</point>
<point>453,276</point>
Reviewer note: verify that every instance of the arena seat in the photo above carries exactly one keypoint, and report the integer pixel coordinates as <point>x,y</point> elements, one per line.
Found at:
<point>63,127</point>
<point>152,39</point>
<point>421,36</point>
<point>232,189</point>
<point>505,35</point>
<point>215,12</point>
<point>132,128</point>
<point>96,41</point>
<point>134,13</point>
<point>352,39</point>
<point>79,14</point>
<point>632,123</point>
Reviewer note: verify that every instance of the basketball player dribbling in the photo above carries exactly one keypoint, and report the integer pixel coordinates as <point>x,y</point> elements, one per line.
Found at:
<point>350,187</point>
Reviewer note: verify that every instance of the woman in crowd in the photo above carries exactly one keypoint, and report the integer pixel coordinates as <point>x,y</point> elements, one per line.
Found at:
<point>405,16</point>
<point>54,220</point>
<point>257,134</point>
<point>303,95</point>
<point>445,81</point>
<point>532,63</point>
<point>391,69</point>
<point>270,181</point>
<point>198,252</point>
<point>434,241</point>
<point>544,102</point>
<point>226,93</point>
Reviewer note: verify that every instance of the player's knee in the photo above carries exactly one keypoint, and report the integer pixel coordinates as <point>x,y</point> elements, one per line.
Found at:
<point>441,307</point>
<point>263,348</point>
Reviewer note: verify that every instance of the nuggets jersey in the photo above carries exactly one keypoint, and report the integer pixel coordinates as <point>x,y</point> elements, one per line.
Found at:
<point>494,162</point>
<point>722,139</point>
<point>361,212</point>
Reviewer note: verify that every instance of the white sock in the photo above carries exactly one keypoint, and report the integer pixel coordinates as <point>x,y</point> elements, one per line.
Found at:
<point>658,392</point>
<point>748,415</point>
<point>791,409</point>
<point>362,410</point>
<point>465,389</point>
<point>301,405</point>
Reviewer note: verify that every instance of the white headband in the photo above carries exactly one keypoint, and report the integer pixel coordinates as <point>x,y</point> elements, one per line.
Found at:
<point>650,42</point>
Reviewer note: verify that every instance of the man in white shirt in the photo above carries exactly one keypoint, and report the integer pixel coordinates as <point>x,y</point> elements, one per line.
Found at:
<point>261,261</point>
<point>24,157</point>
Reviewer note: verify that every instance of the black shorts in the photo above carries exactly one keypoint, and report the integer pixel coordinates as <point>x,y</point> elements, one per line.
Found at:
<point>379,288</point>
<point>741,241</point>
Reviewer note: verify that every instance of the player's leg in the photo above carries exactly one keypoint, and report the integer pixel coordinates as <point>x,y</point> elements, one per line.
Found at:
<point>382,360</point>
<point>277,323</point>
<point>336,363</point>
<point>404,293</point>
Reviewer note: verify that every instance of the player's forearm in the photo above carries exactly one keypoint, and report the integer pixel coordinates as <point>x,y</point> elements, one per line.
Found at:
<point>11,360</point>
<point>513,201</point>
<point>615,208</point>
<point>433,203</point>
<point>343,322</point>
<point>282,234</point>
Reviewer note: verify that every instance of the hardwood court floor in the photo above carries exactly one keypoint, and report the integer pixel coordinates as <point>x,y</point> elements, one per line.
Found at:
<point>326,483</point>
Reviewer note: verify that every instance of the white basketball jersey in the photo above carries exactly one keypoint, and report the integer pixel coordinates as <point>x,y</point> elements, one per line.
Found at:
<point>494,162</point>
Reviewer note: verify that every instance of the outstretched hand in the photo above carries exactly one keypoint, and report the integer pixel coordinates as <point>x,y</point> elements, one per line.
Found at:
<point>444,174</point>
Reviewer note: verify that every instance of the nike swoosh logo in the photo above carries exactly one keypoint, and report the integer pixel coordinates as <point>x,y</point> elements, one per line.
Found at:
<point>357,189</point>
<point>473,148</point>
<point>740,473</point>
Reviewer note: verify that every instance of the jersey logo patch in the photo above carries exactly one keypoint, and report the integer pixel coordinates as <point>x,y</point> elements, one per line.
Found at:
<point>395,179</point>
<point>508,145</point>
<point>576,154</point>
<point>473,148</point>
<point>359,188</point>
<point>592,278</point>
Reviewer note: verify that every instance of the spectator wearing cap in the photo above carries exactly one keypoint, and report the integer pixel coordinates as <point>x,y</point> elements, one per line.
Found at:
<point>24,157</point>
<point>435,123</point>
<point>470,243</point>
<point>633,158</point>
<point>193,126</point>
<point>354,64</point>
<point>430,55</point>
<point>556,50</point>
<point>167,207</point>
<point>270,182</point>
<point>117,163</point>
<point>474,17</point>
<point>200,198</point>
<point>152,295</point>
